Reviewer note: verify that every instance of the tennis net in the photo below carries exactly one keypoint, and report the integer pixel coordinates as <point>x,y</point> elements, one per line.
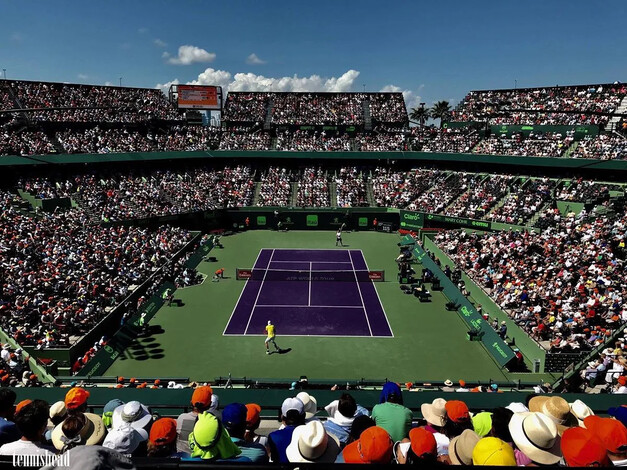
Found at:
<point>268,275</point>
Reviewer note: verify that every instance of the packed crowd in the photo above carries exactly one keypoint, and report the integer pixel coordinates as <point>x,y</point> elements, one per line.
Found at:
<point>580,190</point>
<point>399,189</point>
<point>525,199</point>
<point>548,144</point>
<point>447,188</point>
<point>318,109</point>
<point>565,285</point>
<point>388,108</point>
<point>304,141</point>
<point>246,107</point>
<point>158,193</point>
<point>90,103</point>
<point>604,147</point>
<point>542,430</point>
<point>564,105</point>
<point>275,188</point>
<point>481,194</point>
<point>351,188</point>
<point>430,139</point>
<point>60,277</point>
<point>380,142</point>
<point>235,140</point>
<point>313,188</point>
<point>25,143</point>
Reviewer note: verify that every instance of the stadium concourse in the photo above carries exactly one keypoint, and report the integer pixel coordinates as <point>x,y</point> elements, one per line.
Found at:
<point>119,299</point>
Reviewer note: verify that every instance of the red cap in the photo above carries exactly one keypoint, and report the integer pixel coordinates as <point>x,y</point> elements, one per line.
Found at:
<point>373,446</point>
<point>252,414</point>
<point>76,397</point>
<point>202,395</point>
<point>142,385</point>
<point>133,380</point>
<point>610,432</point>
<point>462,383</point>
<point>120,380</point>
<point>158,382</point>
<point>457,410</point>
<point>622,380</point>
<point>581,449</point>
<point>22,404</point>
<point>422,442</point>
<point>163,431</point>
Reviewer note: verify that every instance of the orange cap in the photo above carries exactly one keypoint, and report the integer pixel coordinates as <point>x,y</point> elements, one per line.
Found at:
<point>202,395</point>
<point>457,410</point>
<point>76,397</point>
<point>22,404</point>
<point>462,383</point>
<point>252,414</point>
<point>581,449</point>
<point>610,432</point>
<point>163,431</point>
<point>622,380</point>
<point>373,446</point>
<point>422,442</point>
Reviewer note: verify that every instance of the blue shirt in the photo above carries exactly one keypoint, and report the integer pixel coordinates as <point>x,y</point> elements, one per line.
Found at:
<point>278,442</point>
<point>8,431</point>
<point>255,452</point>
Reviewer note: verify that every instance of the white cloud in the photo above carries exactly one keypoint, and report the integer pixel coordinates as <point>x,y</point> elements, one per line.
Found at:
<point>108,83</point>
<point>252,59</point>
<point>165,87</point>
<point>159,43</point>
<point>254,82</point>
<point>82,76</point>
<point>190,55</point>
<point>412,98</point>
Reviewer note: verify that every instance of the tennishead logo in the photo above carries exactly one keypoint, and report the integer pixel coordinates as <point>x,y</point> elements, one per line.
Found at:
<point>38,461</point>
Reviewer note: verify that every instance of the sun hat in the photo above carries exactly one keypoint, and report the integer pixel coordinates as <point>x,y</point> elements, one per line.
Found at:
<point>253,410</point>
<point>493,451</point>
<point>620,413</point>
<point>580,410</point>
<point>556,408</point>
<point>460,448</point>
<point>517,407</point>
<point>202,395</point>
<point>448,382</point>
<point>134,414</point>
<point>611,432</point>
<point>422,442</point>
<point>234,414</point>
<point>482,423</point>
<point>107,411</point>
<point>457,411</point>
<point>581,449</point>
<point>435,412</point>
<point>535,434</point>
<point>210,440</point>
<point>163,431</point>
<point>76,397</point>
<point>389,389</point>
<point>57,410</point>
<point>311,443</point>
<point>124,439</point>
<point>310,404</point>
<point>292,404</point>
<point>374,446</point>
<point>92,433</point>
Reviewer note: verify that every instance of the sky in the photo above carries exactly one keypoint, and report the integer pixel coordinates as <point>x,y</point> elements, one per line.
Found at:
<point>428,50</point>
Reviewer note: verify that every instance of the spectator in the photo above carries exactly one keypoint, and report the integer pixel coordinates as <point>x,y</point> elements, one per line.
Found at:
<point>78,429</point>
<point>311,443</point>
<point>292,415</point>
<point>210,441</point>
<point>493,451</point>
<point>390,414</point>
<point>374,446</point>
<point>342,414</point>
<point>457,418</point>
<point>253,420</point>
<point>234,420</point>
<point>9,431</point>
<point>201,402</point>
<point>162,439</point>
<point>31,422</point>
<point>461,447</point>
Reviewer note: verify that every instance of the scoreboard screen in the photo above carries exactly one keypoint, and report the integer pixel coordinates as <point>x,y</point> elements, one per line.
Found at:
<point>199,97</point>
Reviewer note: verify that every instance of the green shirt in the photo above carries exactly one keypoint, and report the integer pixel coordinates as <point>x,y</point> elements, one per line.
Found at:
<point>394,418</point>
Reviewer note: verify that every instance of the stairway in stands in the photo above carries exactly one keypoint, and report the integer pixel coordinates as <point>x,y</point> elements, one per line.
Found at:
<point>370,192</point>
<point>294,194</point>
<point>267,124</point>
<point>622,109</point>
<point>256,194</point>
<point>367,116</point>
<point>333,191</point>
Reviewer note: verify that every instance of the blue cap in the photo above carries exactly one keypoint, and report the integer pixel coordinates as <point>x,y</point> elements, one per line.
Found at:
<point>620,413</point>
<point>390,388</point>
<point>234,414</point>
<point>112,405</point>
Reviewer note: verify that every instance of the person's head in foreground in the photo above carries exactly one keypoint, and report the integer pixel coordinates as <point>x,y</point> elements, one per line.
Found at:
<point>210,440</point>
<point>373,446</point>
<point>311,443</point>
<point>162,438</point>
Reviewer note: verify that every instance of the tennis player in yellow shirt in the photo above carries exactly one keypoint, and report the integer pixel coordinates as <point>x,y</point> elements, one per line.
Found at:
<point>270,330</point>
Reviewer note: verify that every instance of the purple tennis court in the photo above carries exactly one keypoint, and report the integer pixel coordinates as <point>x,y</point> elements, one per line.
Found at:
<point>309,293</point>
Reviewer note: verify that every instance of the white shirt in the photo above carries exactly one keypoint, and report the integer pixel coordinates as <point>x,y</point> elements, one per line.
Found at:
<point>22,447</point>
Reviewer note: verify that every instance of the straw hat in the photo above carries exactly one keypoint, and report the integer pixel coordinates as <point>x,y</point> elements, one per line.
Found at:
<point>535,434</point>
<point>461,447</point>
<point>557,409</point>
<point>434,412</point>
<point>311,443</point>
<point>92,433</point>
<point>580,410</point>
<point>311,404</point>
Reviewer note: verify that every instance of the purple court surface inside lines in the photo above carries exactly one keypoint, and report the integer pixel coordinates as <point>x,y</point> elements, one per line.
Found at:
<point>309,307</point>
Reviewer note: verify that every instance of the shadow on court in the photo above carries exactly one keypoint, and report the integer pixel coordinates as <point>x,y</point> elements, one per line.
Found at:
<point>281,351</point>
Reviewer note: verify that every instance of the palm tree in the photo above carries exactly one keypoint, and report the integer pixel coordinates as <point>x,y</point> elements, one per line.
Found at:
<point>441,110</point>
<point>419,115</point>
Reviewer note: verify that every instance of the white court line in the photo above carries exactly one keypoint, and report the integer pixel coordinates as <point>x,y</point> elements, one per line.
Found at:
<point>309,301</point>
<point>360,296</point>
<point>316,336</point>
<point>252,311</point>
<point>318,262</point>
<point>312,306</point>
<point>379,298</point>
<point>240,296</point>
